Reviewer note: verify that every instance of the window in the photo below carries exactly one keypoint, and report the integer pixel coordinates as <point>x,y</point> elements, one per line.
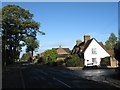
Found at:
<point>94,51</point>
<point>94,60</point>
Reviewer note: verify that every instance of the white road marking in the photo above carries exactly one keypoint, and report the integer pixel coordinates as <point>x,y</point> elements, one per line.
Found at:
<point>53,78</point>
<point>61,82</point>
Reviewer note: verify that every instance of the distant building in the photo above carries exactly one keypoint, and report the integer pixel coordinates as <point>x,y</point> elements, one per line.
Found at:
<point>92,51</point>
<point>62,52</point>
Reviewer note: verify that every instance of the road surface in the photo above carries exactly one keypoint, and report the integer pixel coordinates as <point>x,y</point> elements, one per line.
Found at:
<point>36,76</point>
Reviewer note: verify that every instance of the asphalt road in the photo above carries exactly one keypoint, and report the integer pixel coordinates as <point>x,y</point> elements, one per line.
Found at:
<point>36,76</point>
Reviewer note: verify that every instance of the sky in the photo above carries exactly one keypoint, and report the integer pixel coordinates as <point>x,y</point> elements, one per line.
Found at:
<point>66,22</point>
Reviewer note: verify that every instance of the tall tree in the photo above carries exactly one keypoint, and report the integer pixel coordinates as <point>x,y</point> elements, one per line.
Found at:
<point>32,44</point>
<point>110,43</point>
<point>17,25</point>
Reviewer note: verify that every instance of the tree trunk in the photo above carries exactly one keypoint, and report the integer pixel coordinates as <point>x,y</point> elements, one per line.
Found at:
<point>32,53</point>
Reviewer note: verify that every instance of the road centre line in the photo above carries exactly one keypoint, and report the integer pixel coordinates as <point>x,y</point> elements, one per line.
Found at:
<point>54,78</point>
<point>61,82</point>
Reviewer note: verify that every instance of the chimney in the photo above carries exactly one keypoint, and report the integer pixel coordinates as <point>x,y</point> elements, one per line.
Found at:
<point>78,42</point>
<point>86,38</point>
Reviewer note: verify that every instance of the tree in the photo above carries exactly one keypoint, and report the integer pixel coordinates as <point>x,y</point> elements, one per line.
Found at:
<point>17,25</point>
<point>32,44</point>
<point>26,56</point>
<point>110,43</point>
<point>117,51</point>
<point>50,56</point>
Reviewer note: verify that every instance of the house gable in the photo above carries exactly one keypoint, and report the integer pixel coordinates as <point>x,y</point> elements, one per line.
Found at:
<point>100,52</point>
<point>99,43</point>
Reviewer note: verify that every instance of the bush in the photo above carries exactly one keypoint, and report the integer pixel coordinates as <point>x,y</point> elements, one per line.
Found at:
<point>58,63</point>
<point>105,61</point>
<point>50,56</point>
<point>40,60</point>
<point>73,61</point>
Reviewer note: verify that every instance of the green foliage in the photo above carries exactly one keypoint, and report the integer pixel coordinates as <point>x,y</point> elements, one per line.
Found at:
<point>50,56</point>
<point>113,39</point>
<point>26,56</point>
<point>73,61</point>
<point>59,62</point>
<point>110,43</point>
<point>105,61</point>
<point>17,25</point>
<point>32,44</point>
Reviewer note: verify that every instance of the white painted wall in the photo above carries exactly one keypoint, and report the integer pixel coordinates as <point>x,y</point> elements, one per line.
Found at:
<point>101,53</point>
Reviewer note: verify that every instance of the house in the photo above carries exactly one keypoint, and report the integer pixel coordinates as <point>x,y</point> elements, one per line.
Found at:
<point>62,52</point>
<point>91,51</point>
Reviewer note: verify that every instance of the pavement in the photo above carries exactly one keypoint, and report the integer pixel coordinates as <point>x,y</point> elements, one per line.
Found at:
<point>36,76</point>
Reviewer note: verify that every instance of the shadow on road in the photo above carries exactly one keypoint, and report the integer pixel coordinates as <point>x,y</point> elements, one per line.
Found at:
<point>37,76</point>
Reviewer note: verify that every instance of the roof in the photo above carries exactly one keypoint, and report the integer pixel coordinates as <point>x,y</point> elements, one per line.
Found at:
<point>111,52</point>
<point>87,44</point>
<point>83,46</point>
<point>63,50</point>
<point>101,44</point>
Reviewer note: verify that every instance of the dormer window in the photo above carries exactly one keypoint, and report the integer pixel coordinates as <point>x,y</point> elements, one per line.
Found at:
<point>94,51</point>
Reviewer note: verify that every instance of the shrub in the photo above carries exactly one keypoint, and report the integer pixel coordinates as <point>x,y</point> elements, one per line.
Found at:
<point>40,60</point>
<point>60,62</point>
<point>73,61</point>
<point>105,61</point>
<point>50,56</point>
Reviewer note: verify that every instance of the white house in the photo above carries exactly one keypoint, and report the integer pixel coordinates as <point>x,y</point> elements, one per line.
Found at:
<point>93,53</point>
<point>90,50</point>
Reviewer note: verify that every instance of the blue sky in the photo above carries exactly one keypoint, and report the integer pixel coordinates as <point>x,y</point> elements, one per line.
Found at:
<point>65,22</point>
